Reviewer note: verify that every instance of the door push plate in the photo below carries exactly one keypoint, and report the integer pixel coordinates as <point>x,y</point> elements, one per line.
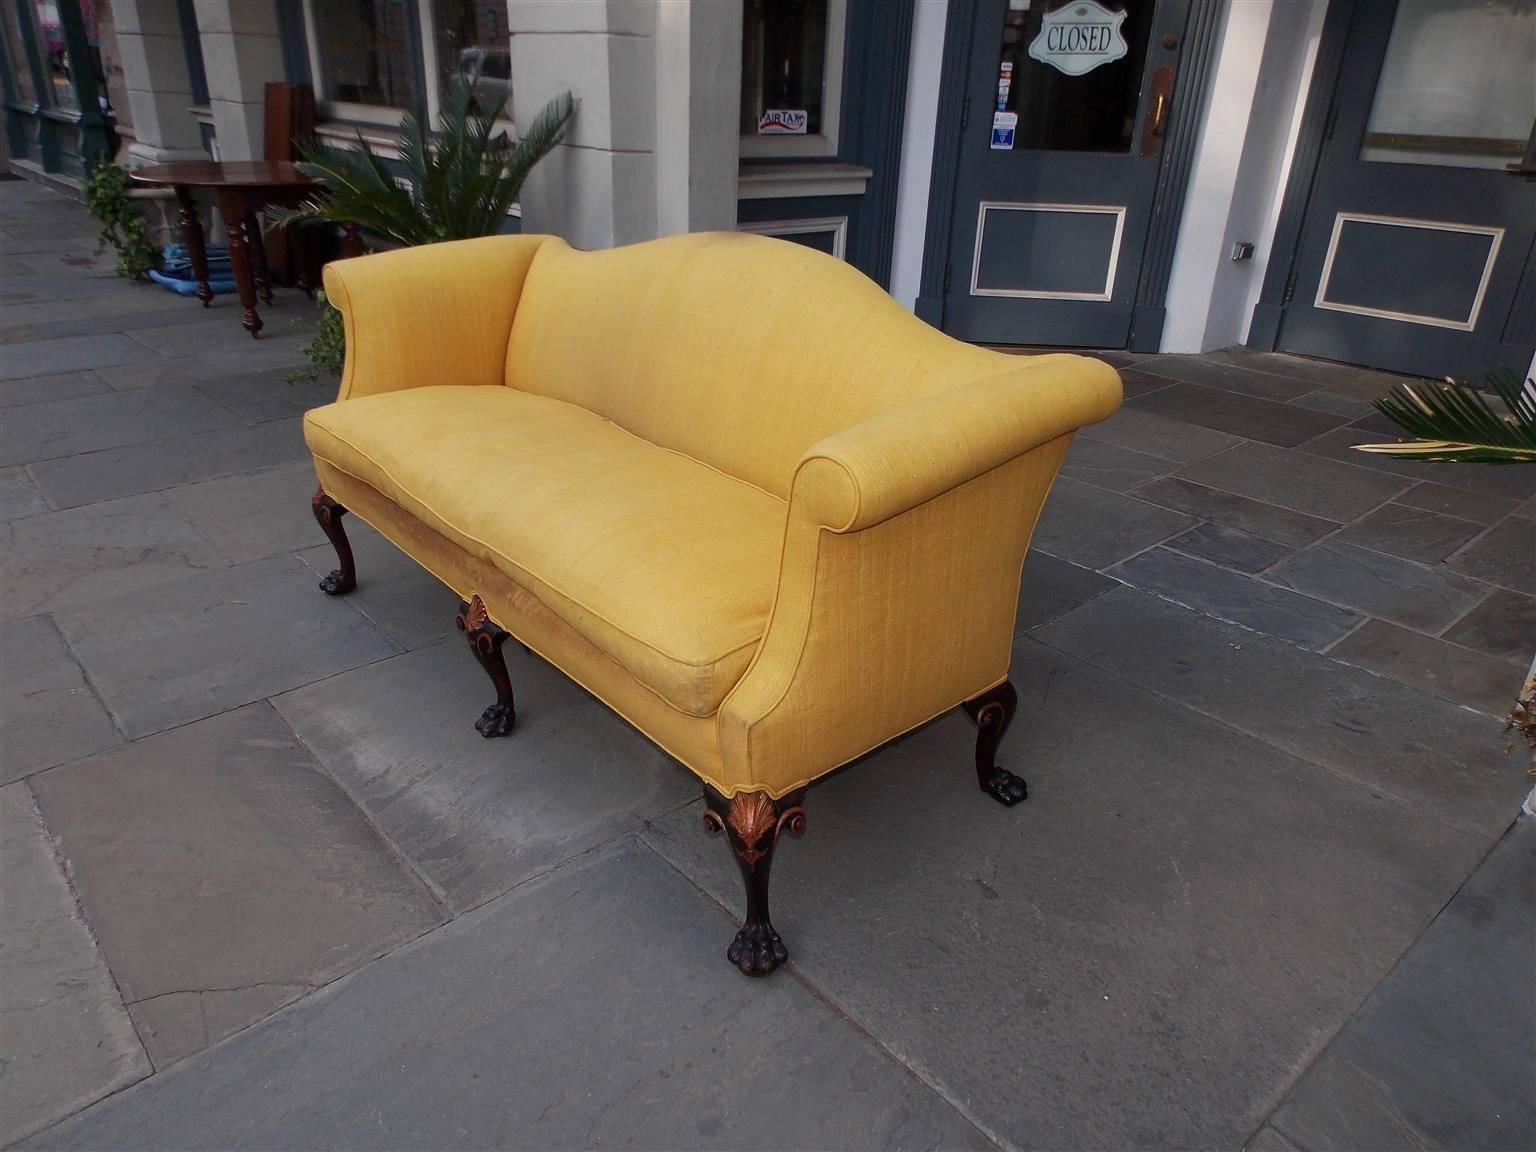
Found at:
<point>1159,97</point>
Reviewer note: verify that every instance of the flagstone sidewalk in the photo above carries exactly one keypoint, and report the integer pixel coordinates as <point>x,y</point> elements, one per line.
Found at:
<point>262,884</point>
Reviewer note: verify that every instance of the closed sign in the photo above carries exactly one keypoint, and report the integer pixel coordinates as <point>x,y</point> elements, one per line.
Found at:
<point>1078,38</point>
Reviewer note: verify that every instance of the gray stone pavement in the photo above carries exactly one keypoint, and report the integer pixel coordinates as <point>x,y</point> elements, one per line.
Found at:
<point>265,887</point>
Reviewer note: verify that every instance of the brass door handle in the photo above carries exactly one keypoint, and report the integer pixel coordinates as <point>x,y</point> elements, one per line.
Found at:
<point>1157,119</point>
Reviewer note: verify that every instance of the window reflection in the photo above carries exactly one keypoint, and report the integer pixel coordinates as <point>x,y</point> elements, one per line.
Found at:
<point>365,52</point>
<point>1456,86</point>
<point>472,42</point>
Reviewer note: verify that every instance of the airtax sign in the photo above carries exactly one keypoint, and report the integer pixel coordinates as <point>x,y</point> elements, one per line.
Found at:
<point>1079,37</point>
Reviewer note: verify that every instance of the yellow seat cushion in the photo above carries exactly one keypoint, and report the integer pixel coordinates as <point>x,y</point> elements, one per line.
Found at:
<point>663,563</point>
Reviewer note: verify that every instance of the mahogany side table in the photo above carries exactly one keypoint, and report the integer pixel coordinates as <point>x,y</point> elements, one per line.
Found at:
<point>243,189</point>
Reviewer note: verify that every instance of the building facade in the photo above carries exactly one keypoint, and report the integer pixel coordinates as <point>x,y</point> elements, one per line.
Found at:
<point>1348,179</point>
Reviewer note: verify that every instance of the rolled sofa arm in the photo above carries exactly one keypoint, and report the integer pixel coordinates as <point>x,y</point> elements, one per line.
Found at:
<point>899,459</point>
<point>436,314</point>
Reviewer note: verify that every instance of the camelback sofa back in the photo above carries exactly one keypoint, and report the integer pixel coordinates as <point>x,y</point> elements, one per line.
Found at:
<point>722,481</point>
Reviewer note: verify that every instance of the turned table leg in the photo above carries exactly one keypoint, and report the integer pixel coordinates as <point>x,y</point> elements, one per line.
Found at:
<point>258,247</point>
<point>192,236</point>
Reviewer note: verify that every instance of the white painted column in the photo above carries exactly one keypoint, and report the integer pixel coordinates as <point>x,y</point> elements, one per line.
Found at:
<point>154,59</point>
<point>698,99</point>
<point>598,188</point>
<point>921,122</point>
<point>241,54</point>
<point>1258,94</point>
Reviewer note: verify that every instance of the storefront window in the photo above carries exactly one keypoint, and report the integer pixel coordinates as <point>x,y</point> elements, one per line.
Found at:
<point>1073,81</point>
<point>56,62</point>
<point>1455,88</point>
<point>784,55</point>
<point>16,55</point>
<point>471,41</point>
<point>364,52</point>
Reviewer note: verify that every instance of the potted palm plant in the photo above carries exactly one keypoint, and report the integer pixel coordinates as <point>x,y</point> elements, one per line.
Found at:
<point>455,184</point>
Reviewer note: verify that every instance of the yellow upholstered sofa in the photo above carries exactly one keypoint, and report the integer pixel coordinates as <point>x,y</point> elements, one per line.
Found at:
<point>722,481</point>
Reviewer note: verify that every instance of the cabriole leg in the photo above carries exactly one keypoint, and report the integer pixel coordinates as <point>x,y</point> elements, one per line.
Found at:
<point>329,514</point>
<point>752,823</point>
<point>993,712</point>
<point>485,641</point>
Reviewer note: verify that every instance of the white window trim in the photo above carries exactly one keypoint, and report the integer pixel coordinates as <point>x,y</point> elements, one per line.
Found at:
<point>339,118</point>
<point>837,225</point>
<point>823,143</point>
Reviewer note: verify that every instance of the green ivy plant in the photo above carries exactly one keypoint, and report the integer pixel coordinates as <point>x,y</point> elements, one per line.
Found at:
<point>122,224</point>
<point>327,352</point>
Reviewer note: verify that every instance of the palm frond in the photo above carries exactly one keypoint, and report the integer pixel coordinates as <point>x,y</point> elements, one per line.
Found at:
<point>1453,421</point>
<point>459,183</point>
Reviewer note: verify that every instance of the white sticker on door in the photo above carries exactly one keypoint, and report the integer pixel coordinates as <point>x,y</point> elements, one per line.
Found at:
<point>1004,124</point>
<point>1079,38</point>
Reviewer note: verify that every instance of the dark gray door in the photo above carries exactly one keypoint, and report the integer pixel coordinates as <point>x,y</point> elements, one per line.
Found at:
<point>1419,231</point>
<point>1050,224</point>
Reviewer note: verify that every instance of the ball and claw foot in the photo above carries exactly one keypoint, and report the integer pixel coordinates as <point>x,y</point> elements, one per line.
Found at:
<point>497,720</point>
<point>1006,788</point>
<point>337,583</point>
<point>757,949</point>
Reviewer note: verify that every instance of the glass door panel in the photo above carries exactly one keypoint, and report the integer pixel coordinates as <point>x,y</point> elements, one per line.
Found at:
<point>1458,85</point>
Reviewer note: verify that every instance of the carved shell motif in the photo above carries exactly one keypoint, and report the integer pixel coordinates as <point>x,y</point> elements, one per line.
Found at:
<point>473,614</point>
<point>752,815</point>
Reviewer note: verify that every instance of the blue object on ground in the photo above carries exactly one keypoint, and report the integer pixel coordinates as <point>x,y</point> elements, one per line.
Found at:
<point>176,273</point>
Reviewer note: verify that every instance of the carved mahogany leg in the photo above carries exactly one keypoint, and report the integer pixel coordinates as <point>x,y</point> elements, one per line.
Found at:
<point>752,823</point>
<point>993,712</point>
<point>485,641</point>
<point>329,514</point>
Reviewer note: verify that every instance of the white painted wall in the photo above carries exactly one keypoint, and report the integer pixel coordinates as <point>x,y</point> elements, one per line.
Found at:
<point>921,115</point>
<point>1264,63</point>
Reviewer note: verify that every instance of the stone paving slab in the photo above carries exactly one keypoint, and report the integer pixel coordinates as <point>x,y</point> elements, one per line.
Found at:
<point>56,428</point>
<point>40,389</point>
<point>1319,487</point>
<point>209,643</point>
<point>1138,955</point>
<point>1447,670</point>
<point>1236,414</point>
<point>1505,554</point>
<point>1427,597</point>
<point>48,713</point>
<point>253,516</point>
<point>590,1009</point>
<point>1169,439</point>
<point>1433,756</point>
<point>1229,547</point>
<point>1462,503</point>
<point>476,815</point>
<point>1443,1054</point>
<point>1238,599</point>
<point>149,467</point>
<point>65,1039</point>
<point>1255,517</point>
<point>1110,466</point>
<point>65,559</point>
<point>69,354</point>
<point>1502,626</point>
<point>1493,479</point>
<point>1095,528</point>
<point>393,591</point>
<point>1248,378</point>
<point>19,497</point>
<point>217,858</point>
<point>1052,588</point>
<point>1412,533</point>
